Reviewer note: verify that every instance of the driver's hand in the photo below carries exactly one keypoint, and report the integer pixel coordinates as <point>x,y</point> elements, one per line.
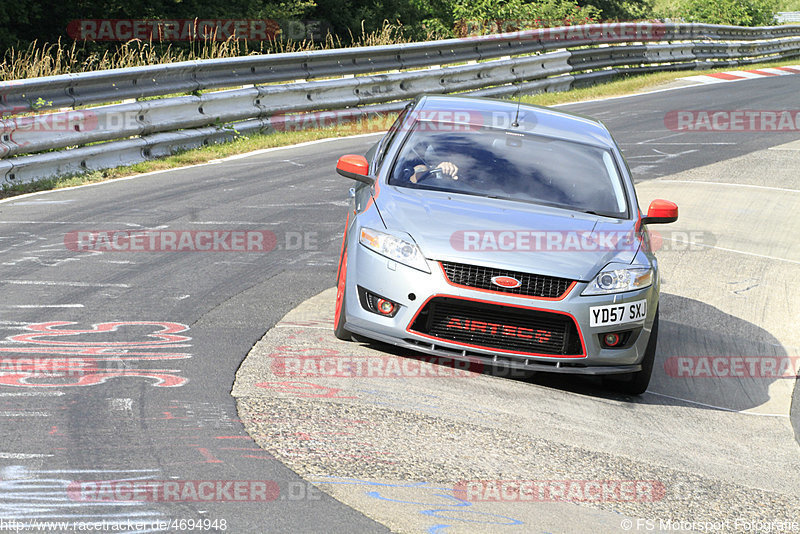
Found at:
<point>449,169</point>
<point>419,170</point>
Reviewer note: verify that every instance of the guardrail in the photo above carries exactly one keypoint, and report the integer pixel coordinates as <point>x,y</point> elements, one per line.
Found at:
<point>784,17</point>
<point>365,82</point>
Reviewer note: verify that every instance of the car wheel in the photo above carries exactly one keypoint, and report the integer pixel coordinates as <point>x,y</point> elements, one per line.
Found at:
<point>636,383</point>
<point>339,313</point>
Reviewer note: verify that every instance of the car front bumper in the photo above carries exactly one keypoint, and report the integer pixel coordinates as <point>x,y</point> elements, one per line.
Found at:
<point>411,289</point>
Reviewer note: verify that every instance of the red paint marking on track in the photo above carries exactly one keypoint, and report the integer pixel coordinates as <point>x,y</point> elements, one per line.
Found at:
<point>102,354</point>
<point>303,389</point>
<point>789,69</point>
<point>258,457</point>
<point>763,73</point>
<point>232,437</point>
<point>166,336</point>
<point>210,458</point>
<point>89,373</point>
<point>725,76</point>
<point>161,376</point>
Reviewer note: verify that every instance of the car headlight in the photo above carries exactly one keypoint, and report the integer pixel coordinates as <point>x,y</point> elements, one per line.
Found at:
<point>399,250</point>
<point>619,280</point>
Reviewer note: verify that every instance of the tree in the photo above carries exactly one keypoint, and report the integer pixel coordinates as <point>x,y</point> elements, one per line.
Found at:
<point>735,12</point>
<point>622,10</point>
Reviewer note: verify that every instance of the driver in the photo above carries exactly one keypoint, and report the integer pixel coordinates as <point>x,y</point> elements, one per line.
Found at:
<point>447,168</point>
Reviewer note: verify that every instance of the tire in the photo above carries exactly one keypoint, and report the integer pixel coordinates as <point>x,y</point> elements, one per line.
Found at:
<point>340,312</point>
<point>636,383</point>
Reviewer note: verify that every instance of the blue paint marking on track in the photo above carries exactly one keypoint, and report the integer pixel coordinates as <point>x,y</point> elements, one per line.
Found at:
<point>450,508</point>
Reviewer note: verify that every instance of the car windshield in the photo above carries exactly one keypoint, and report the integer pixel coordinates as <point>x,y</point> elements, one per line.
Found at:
<point>510,165</point>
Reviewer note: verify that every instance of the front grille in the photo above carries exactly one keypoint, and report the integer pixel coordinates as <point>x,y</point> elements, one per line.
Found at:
<point>499,327</point>
<point>532,285</point>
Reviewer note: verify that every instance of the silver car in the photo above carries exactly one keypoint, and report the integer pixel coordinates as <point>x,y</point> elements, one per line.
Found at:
<point>489,231</point>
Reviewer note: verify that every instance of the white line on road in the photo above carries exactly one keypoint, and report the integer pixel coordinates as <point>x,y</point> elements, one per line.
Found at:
<point>303,327</point>
<point>42,306</point>
<point>34,202</point>
<point>32,394</point>
<point>59,283</point>
<point>22,455</point>
<point>300,204</point>
<point>693,144</point>
<point>292,162</point>
<point>730,184</point>
<point>719,407</point>
<point>74,223</point>
<point>162,171</point>
<point>252,223</point>
<point>64,471</point>
<point>684,241</point>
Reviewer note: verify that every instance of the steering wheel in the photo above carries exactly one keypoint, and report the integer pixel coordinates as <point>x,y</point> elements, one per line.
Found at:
<point>435,172</point>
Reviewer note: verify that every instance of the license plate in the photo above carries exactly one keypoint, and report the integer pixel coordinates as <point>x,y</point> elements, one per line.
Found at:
<point>628,312</point>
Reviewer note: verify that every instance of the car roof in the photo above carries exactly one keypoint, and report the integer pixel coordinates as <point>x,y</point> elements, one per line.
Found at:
<point>500,114</point>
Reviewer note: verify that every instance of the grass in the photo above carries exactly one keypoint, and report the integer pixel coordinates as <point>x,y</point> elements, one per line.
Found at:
<point>634,84</point>
<point>46,59</point>
<point>624,86</point>
<point>50,59</point>
<point>627,85</point>
<point>204,154</point>
<point>670,7</point>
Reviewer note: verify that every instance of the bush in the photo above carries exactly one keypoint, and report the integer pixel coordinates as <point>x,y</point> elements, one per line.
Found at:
<point>735,12</point>
<point>623,10</point>
<point>495,16</point>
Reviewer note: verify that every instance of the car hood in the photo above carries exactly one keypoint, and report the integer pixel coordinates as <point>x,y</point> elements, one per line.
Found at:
<point>492,232</point>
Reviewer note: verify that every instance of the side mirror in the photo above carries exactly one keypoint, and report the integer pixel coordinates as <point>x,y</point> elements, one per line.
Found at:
<point>661,211</point>
<point>354,167</point>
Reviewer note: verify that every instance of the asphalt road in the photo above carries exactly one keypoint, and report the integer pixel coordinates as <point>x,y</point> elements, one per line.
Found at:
<point>138,385</point>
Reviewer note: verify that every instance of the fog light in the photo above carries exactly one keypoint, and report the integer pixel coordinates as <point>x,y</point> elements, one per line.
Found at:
<point>386,307</point>
<point>377,304</point>
<point>611,339</point>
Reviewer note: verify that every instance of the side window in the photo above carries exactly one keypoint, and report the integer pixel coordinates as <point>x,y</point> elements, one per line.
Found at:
<point>370,155</point>
<point>389,137</point>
